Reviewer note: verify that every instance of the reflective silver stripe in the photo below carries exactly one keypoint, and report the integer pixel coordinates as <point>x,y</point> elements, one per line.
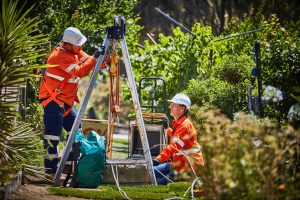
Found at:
<point>54,76</point>
<point>72,66</point>
<point>189,151</point>
<point>74,79</point>
<point>71,80</point>
<point>51,137</point>
<point>83,57</point>
<point>179,141</point>
<point>51,156</point>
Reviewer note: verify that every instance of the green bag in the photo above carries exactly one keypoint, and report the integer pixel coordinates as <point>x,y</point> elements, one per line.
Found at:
<point>91,163</point>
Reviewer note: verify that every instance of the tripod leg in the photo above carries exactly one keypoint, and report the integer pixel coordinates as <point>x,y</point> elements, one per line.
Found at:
<point>79,116</point>
<point>138,112</point>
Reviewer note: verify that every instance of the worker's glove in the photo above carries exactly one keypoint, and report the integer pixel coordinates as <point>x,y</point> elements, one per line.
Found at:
<point>106,60</point>
<point>97,53</point>
<point>165,122</point>
<point>155,162</point>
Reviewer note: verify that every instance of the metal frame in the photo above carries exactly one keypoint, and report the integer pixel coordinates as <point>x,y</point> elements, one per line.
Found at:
<point>152,106</point>
<point>116,32</point>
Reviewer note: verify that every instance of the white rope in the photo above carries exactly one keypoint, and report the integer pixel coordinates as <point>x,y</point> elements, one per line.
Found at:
<point>192,187</point>
<point>163,175</point>
<point>154,166</point>
<point>188,161</point>
<point>187,191</point>
<point>123,194</point>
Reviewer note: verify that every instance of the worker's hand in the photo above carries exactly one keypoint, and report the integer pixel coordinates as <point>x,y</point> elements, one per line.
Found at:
<point>165,122</point>
<point>155,162</point>
<point>97,53</point>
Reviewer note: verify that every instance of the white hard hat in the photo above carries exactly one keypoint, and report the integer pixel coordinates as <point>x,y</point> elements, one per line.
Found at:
<point>74,36</point>
<point>182,99</point>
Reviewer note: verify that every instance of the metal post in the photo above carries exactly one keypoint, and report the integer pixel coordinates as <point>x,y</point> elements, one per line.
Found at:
<point>259,79</point>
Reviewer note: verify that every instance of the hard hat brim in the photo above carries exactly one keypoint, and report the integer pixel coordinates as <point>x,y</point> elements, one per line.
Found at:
<point>81,41</point>
<point>174,101</point>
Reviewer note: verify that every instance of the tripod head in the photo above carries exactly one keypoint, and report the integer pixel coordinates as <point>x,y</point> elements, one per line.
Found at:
<point>118,30</point>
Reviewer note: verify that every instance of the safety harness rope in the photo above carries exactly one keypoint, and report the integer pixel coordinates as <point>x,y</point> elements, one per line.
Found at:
<point>55,93</point>
<point>114,100</point>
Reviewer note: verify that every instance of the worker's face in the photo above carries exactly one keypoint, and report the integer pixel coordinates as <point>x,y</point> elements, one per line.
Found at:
<point>176,110</point>
<point>76,49</point>
<point>73,49</point>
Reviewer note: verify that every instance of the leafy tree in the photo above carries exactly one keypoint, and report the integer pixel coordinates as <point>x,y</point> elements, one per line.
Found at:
<point>177,59</point>
<point>90,17</point>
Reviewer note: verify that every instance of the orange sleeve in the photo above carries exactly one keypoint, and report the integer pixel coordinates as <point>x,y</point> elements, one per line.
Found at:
<point>77,68</point>
<point>170,132</point>
<point>82,56</point>
<point>175,144</point>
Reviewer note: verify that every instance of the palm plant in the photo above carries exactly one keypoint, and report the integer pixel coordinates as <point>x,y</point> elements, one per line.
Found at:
<point>19,42</point>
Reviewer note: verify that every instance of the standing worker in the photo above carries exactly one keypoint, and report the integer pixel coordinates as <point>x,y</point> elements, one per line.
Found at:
<point>183,143</point>
<point>58,90</point>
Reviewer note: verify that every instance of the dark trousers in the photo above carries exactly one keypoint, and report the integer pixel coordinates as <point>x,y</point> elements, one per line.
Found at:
<point>164,169</point>
<point>54,122</point>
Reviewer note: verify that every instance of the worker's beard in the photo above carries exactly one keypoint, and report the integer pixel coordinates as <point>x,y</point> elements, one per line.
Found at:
<point>75,50</point>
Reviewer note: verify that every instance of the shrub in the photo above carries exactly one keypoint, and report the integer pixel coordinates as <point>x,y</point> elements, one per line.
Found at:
<point>215,92</point>
<point>247,158</point>
<point>234,69</point>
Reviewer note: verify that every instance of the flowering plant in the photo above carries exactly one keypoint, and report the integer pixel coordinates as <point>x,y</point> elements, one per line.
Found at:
<point>272,94</point>
<point>294,113</point>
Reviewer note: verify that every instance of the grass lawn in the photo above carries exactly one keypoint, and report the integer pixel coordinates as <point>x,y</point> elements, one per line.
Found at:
<point>120,148</point>
<point>172,190</point>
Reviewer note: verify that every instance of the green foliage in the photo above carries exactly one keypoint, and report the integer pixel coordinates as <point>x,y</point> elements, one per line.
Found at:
<point>19,143</point>
<point>177,59</point>
<point>280,59</point>
<point>217,93</point>
<point>234,69</point>
<point>247,158</point>
<point>90,17</point>
<point>182,57</point>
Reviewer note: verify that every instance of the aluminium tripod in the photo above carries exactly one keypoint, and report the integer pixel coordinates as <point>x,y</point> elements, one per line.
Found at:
<point>114,33</point>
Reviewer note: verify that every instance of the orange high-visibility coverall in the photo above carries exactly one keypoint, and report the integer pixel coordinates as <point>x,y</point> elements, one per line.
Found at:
<point>66,65</point>
<point>183,141</point>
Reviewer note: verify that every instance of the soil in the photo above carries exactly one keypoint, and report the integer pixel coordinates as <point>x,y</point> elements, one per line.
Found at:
<point>37,192</point>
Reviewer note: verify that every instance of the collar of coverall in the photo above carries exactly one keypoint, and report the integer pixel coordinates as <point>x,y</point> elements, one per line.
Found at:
<point>180,120</point>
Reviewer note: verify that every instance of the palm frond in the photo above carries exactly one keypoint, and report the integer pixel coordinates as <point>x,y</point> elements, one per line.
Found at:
<point>20,47</point>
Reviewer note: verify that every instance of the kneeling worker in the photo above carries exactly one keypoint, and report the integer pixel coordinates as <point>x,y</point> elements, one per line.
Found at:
<point>183,143</point>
